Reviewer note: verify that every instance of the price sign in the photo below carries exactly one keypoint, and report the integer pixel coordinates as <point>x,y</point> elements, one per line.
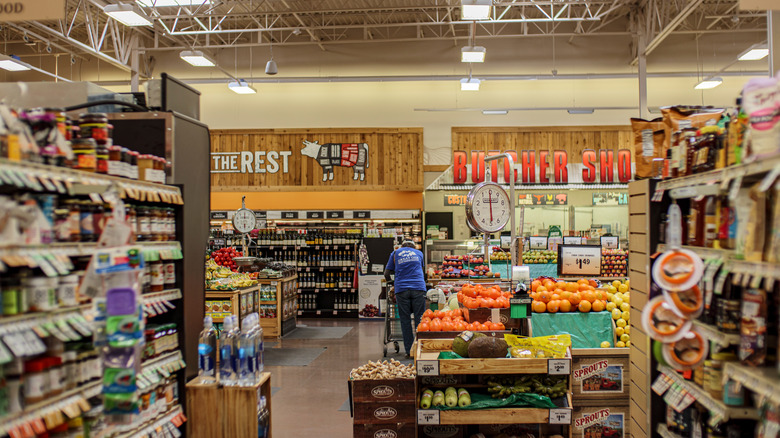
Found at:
<point>335,215</point>
<point>579,260</point>
<point>218,215</point>
<point>572,240</point>
<point>558,366</point>
<point>361,214</point>
<point>261,214</point>
<point>537,242</point>
<point>427,367</point>
<point>314,215</point>
<point>610,242</point>
<point>560,416</point>
<point>428,416</point>
<point>289,215</point>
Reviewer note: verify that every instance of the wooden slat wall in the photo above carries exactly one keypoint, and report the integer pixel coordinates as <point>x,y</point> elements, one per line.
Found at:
<point>639,260</point>
<point>395,159</point>
<point>572,139</point>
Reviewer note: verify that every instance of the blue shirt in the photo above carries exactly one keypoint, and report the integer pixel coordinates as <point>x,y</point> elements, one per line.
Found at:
<point>408,264</point>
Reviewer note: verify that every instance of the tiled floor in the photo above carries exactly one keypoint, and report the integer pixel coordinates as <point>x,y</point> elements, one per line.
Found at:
<point>308,400</point>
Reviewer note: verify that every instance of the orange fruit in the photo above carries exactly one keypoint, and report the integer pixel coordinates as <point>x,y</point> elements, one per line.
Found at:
<point>592,282</point>
<point>541,289</point>
<point>572,287</point>
<point>447,327</point>
<point>435,325</point>
<point>423,327</point>
<point>600,294</point>
<point>425,319</point>
<point>490,303</point>
<point>456,313</point>
<point>437,314</point>
<point>470,327</point>
<point>565,295</point>
<point>460,326</point>
<point>539,307</point>
<point>589,296</point>
<point>446,319</point>
<point>565,306</point>
<point>498,326</point>
<point>582,281</point>
<point>584,306</point>
<point>428,313</point>
<point>553,306</point>
<point>545,297</point>
<point>575,299</point>
<point>535,285</point>
<point>598,306</point>
<point>560,285</point>
<point>549,284</point>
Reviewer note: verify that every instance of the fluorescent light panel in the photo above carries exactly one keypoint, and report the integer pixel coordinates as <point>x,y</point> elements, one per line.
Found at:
<point>129,15</point>
<point>12,64</point>
<point>472,54</point>
<point>241,87</point>
<point>475,9</point>
<point>495,112</point>
<point>709,83</point>
<point>580,110</point>
<point>165,3</point>
<point>196,58</point>
<point>754,53</point>
<point>469,84</point>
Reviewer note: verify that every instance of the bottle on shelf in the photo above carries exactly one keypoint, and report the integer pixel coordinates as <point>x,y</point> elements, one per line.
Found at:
<point>207,345</point>
<point>227,356</point>
<point>258,349</point>
<point>246,354</point>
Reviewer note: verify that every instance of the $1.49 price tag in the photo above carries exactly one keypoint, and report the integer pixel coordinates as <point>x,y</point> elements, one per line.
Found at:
<point>579,260</point>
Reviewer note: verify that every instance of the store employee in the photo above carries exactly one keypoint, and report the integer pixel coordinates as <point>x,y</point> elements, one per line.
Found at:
<point>408,265</point>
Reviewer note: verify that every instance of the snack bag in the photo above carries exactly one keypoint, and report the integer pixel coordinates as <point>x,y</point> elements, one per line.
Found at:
<point>761,100</point>
<point>540,347</point>
<point>648,145</point>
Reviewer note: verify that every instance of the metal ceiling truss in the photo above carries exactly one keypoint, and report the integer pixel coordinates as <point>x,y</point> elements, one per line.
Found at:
<point>86,30</point>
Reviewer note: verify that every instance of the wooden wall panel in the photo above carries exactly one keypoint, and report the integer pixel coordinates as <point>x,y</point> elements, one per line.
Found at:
<point>572,139</point>
<point>395,159</point>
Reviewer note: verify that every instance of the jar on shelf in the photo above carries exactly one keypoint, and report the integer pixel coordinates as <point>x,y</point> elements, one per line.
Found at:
<point>56,384</point>
<point>11,290</point>
<point>145,163</point>
<point>101,153</point>
<point>69,367</point>
<point>157,276</point>
<point>159,167</point>
<point>41,291</point>
<point>130,217</point>
<point>169,270</point>
<point>126,163</point>
<point>114,167</point>
<point>144,220</point>
<point>87,221</point>
<point>85,154</point>
<point>94,126</point>
<point>67,290</point>
<point>36,384</point>
<point>133,174</point>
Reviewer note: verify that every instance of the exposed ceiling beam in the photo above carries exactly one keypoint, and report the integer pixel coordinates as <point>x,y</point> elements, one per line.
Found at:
<point>669,28</point>
<point>109,59</point>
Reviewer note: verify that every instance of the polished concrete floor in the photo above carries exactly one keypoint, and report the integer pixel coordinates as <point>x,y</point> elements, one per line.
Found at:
<point>308,398</point>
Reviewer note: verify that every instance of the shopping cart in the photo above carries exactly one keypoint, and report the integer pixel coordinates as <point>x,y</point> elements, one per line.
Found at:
<point>392,322</point>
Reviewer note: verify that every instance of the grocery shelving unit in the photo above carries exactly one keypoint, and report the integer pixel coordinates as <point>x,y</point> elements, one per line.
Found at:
<point>162,307</point>
<point>655,195</point>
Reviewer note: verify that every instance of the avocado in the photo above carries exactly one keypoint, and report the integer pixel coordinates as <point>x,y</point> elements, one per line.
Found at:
<point>487,347</point>
<point>460,345</point>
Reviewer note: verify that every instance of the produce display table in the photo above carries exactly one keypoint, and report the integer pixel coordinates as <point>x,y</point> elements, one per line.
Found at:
<point>232,411</point>
<point>433,372</point>
<point>277,316</point>
<point>587,330</point>
<point>543,270</point>
<point>601,392</point>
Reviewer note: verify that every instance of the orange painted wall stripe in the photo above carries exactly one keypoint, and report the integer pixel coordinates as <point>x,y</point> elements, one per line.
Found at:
<point>357,200</point>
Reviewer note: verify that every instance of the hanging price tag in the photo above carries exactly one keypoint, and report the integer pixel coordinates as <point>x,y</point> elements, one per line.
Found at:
<point>579,260</point>
<point>558,366</point>
<point>428,417</point>
<point>427,367</point>
<point>560,416</point>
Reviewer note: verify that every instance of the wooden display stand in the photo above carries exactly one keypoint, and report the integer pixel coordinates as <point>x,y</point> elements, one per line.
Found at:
<point>247,300</point>
<point>431,371</point>
<point>226,412</point>
<point>601,383</point>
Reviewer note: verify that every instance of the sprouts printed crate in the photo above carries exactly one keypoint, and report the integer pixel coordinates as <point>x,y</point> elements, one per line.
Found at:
<point>385,412</point>
<point>382,390</point>
<point>600,374</point>
<point>392,430</point>
<point>605,421</point>
<point>442,431</point>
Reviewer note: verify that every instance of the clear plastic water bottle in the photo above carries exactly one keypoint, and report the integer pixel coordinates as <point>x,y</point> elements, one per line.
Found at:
<point>259,349</point>
<point>263,419</point>
<point>246,354</point>
<point>227,352</point>
<point>207,352</point>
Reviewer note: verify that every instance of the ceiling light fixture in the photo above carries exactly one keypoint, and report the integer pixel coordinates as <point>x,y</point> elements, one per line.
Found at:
<point>167,3</point>
<point>196,58</point>
<point>754,53</point>
<point>472,54</point>
<point>709,83</point>
<point>495,112</point>
<point>12,63</point>
<point>475,9</point>
<point>580,110</point>
<point>469,84</point>
<point>270,66</point>
<point>241,87</point>
<point>129,15</point>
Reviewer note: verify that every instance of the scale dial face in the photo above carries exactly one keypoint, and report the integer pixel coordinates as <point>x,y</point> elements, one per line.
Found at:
<point>244,220</point>
<point>488,207</point>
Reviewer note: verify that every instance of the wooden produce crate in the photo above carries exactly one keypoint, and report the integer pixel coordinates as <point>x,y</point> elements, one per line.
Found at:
<point>240,407</point>
<point>379,391</point>
<point>451,335</point>
<point>386,412</point>
<point>610,420</point>
<point>428,363</point>
<point>443,431</point>
<point>393,430</point>
<point>600,375</point>
<point>204,410</point>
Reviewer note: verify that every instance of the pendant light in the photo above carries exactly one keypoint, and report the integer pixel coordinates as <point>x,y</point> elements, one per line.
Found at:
<point>270,66</point>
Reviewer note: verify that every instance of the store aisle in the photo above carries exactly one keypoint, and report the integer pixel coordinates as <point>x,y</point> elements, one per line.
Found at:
<point>309,397</point>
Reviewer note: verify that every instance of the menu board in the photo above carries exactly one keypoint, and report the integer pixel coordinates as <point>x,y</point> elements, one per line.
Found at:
<point>579,260</point>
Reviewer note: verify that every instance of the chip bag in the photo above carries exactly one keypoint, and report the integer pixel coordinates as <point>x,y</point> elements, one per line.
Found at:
<point>553,347</point>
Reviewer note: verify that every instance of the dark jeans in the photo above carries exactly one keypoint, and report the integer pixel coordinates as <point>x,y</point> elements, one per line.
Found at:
<point>410,301</point>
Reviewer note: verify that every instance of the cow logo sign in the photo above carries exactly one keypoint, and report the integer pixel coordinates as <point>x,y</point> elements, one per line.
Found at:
<point>340,155</point>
